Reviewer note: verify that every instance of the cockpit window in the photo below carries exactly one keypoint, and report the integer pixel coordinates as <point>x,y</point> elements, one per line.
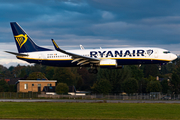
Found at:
<point>166,52</point>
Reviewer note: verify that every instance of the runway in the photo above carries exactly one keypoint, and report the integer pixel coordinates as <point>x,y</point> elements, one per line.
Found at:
<point>90,101</point>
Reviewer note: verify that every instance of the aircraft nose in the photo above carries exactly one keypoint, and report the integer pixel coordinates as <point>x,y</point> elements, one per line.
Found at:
<point>173,56</point>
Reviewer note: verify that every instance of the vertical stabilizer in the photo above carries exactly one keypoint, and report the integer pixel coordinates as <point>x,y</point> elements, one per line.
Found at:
<point>23,42</point>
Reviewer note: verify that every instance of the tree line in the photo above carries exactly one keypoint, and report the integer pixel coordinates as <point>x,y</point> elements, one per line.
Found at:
<point>130,79</point>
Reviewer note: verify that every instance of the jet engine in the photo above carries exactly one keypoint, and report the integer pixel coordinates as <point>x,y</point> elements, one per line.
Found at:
<point>108,63</point>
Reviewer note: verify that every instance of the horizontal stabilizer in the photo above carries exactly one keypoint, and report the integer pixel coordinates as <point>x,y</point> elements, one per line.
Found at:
<point>17,54</point>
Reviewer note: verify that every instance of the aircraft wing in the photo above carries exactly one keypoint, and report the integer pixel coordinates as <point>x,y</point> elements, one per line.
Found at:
<point>82,60</point>
<point>17,54</point>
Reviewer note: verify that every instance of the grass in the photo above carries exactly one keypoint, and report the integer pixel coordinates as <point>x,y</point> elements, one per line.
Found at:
<point>48,110</point>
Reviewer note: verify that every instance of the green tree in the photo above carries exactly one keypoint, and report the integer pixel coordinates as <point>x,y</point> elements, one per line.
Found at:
<point>136,72</point>
<point>87,79</point>
<point>150,70</point>
<point>154,86</point>
<point>65,75</point>
<point>23,73</point>
<point>165,69</point>
<point>130,86</point>
<point>4,72</point>
<point>39,68</point>
<point>49,72</point>
<point>62,88</point>
<point>143,85</point>
<point>175,83</point>
<point>115,76</point>
<point>36,75</point>
<point>11,68</point>
<point>165,86</point>
<point>102,86</point>
<point>151,78</point>
<point>79,84</point>
<point>12,88</point>
<point>3,86</point>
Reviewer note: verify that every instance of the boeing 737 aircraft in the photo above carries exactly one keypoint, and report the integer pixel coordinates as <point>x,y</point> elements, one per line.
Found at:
<point>93,58</point>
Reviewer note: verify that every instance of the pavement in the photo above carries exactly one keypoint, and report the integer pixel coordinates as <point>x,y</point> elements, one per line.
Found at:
<point>90,101</point>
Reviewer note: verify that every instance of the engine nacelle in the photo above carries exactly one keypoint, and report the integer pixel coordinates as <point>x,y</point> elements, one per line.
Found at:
<point>108,63</point>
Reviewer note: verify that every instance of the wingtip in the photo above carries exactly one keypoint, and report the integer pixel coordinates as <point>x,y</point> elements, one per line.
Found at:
<point>55,44</point>
<point>52,40</point>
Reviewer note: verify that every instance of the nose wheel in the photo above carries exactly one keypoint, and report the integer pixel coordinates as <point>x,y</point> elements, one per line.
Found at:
<point>94,71</point>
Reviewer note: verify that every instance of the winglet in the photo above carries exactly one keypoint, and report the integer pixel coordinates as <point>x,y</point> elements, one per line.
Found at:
<point>82,48</point>
<point>58,48</point>
<point>55,45</point>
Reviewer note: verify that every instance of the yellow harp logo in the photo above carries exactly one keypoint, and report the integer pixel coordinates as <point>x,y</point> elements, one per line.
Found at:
<point>21,39</point>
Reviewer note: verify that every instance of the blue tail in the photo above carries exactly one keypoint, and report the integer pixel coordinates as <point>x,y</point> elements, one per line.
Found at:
<point>23,41</point>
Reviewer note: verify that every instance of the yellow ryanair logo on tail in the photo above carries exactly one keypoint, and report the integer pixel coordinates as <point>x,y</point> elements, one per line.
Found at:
<point>21,39</point>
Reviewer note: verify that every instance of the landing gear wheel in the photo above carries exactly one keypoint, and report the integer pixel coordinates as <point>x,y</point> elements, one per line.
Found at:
<point>95,71</point>
<point>90,70</point>
<point>159,67</point>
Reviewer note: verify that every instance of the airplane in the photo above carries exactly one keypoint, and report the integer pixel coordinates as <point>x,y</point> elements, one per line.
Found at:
<point>29,51</point>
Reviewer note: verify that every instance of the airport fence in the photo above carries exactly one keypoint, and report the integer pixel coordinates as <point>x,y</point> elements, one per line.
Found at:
<point>16,95</point>
<point>134,96</point>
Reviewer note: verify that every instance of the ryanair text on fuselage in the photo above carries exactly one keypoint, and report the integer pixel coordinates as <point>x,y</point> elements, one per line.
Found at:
<point>120,53</point>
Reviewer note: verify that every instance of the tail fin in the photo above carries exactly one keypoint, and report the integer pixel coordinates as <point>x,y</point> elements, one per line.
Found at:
<point>23,41</point>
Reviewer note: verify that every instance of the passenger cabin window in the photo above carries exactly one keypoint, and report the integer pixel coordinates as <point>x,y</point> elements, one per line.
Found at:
<point>166,52</point>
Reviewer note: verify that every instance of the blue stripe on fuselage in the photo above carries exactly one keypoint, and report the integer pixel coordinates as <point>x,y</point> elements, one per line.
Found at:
<point>138,61</point>
<point>67,63</point>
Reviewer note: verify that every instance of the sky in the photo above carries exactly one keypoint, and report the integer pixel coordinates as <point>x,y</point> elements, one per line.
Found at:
<point>92,23</point>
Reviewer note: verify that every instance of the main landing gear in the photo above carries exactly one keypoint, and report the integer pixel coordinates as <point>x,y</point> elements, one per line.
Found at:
<point>159,67</point>
<point>91,70</point>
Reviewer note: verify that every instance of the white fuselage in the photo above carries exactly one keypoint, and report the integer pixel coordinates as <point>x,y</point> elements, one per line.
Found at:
<point>123,56</point>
